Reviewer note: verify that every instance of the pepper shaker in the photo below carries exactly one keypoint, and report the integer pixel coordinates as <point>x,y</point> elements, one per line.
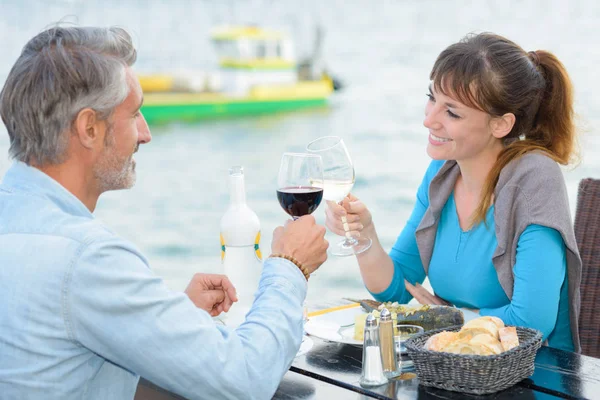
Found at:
<point>391,369</point>
<point>372,370</point>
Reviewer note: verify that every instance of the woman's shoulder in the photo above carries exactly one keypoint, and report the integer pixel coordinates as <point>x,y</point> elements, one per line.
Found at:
<point>532,188</point>
<point>536,159</point>
<point>434,168</point>
<point>532,172</point>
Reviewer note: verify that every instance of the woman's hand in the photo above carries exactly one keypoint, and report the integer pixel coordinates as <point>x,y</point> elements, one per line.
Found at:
<point>423,296</point>
<point>349,218</point>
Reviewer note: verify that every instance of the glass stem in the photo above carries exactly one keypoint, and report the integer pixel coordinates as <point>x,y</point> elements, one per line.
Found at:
<point>350,241</point>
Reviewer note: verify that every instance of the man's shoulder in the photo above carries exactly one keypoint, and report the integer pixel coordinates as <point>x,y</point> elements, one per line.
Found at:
<point>84,230</point>
<point>32,215</point>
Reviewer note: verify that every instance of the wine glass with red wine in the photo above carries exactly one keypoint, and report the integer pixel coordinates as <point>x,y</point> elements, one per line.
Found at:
<point>300,183</point>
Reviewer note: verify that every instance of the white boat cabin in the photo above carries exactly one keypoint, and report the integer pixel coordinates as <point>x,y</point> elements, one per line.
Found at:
<point>250,56</point>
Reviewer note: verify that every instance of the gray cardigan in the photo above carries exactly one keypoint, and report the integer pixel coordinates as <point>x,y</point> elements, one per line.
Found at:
<point>530,190</point>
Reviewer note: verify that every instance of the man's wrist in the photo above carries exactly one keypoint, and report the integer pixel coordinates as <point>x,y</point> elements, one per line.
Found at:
<point>297,263</point>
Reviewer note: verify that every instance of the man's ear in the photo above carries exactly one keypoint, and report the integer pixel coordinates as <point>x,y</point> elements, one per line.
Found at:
<point>501,126</point>
<point>88,128</point>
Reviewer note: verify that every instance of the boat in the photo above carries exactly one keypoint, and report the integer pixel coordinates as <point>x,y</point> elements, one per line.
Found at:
<point>257,73</point>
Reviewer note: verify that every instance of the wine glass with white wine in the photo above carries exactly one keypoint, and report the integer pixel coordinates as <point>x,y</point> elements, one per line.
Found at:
<point>338,180</point>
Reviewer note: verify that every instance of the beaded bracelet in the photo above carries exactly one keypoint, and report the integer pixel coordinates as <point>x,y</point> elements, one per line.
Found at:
<point>296,262</point>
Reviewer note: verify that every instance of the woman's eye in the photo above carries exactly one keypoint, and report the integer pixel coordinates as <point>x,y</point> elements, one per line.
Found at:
<point>430,96</point>
<point>452,115</point>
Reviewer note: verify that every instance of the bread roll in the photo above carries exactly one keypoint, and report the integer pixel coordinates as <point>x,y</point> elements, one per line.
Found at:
<point>482,336</point>
<point>440,340</point>
<point>488,341</point>
<point>461,347</point>
<point>499,323</point>
<point>483,324</point>
<point>469,333</point>
<point>509,337</point>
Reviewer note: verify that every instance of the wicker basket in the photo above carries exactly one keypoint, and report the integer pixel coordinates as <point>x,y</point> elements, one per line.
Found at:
<point>471,373</point>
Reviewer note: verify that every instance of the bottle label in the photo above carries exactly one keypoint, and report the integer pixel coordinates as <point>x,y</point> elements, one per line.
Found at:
<point>222,248</point>
<point>257,251</point>
<point>257,247</point>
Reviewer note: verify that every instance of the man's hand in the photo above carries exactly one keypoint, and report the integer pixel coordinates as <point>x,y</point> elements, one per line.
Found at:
<point>213,293</point>
<point>423,296</point>
<point>302,239</point>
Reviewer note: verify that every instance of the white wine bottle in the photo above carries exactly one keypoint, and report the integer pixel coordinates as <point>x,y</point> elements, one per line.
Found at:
<point>240,247</point>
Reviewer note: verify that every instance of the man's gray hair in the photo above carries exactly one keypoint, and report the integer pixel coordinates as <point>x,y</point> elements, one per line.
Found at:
<point>60,72</point>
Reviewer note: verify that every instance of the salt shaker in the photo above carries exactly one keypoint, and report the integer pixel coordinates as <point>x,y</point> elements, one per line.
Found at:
<point>372,371</point>
<point>391,369</point>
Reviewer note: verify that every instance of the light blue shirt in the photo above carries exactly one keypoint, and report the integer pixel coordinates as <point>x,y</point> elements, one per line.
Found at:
<point>461,270</point>
<point>82,316</point>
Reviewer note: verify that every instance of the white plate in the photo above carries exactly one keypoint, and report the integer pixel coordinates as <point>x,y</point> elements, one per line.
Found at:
<point>338,326</point>
<point>305,346</point>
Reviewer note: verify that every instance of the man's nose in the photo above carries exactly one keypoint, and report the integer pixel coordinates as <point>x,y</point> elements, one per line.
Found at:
<point>144,135</point>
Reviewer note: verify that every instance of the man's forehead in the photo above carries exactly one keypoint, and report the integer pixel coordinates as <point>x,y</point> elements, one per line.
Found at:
<point>134,84</point>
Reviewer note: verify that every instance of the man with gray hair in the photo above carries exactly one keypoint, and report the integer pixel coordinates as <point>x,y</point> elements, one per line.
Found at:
<point>82,314</point>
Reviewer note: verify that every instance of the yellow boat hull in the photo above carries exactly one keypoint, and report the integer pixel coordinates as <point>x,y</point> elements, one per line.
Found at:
<point>164,106</point>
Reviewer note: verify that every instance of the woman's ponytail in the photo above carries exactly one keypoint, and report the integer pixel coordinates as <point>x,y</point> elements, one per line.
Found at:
<point>553,125</point>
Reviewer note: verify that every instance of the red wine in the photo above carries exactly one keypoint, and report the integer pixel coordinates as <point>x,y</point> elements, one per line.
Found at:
<point>299,200</point>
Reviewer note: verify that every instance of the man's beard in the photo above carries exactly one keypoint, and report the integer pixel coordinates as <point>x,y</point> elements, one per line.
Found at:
<point>113,172</point>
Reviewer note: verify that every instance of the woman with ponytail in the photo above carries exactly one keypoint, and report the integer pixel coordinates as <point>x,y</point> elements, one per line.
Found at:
<point>491,226</point>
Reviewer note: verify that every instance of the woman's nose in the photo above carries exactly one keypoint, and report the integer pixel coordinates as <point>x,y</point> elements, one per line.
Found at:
<point>431,120</point>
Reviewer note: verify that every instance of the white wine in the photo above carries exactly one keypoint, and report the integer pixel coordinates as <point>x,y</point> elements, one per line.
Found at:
<point>335,190</point>
<point>339,175</point>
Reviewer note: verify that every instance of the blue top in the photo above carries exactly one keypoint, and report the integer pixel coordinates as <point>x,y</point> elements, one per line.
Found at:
<point>82,315</point>
<point>461,270</point>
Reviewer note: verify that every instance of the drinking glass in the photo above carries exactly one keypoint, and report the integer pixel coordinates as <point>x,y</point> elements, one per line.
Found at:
<point>402,333</point>
<point>300,183</point>
<point>338,180</point>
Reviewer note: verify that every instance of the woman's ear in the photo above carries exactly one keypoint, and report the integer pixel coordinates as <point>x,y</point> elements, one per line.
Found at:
<point>502,125</point>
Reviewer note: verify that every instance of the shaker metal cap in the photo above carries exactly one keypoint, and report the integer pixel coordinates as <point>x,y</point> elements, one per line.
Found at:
<point>385,315</point>
<point>371,320</point>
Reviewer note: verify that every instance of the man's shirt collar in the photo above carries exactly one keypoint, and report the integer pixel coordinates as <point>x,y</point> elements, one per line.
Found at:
<point>20,177</point>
